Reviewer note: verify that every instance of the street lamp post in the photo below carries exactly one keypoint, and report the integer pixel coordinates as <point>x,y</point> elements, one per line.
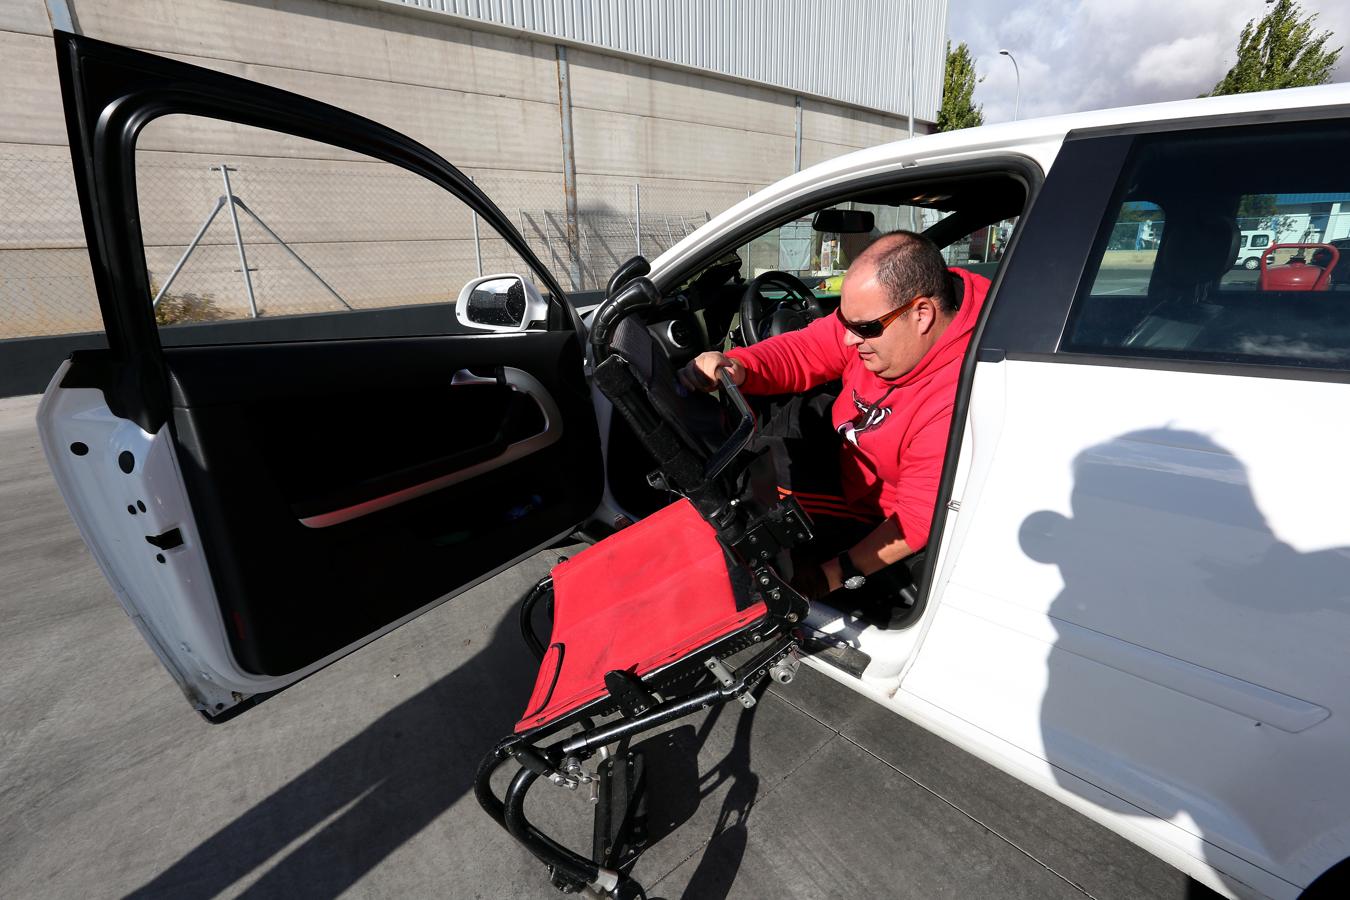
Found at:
<point>1017,102</point>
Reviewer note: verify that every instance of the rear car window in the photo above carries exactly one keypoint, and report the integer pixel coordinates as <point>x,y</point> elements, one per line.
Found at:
<point>1228,244</point>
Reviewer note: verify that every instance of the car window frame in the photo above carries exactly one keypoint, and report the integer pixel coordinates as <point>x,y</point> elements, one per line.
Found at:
<point>1017,165</point>
<point>1169,358</point>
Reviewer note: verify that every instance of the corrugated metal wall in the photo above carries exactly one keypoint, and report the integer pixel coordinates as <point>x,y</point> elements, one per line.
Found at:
<point>855,51</point>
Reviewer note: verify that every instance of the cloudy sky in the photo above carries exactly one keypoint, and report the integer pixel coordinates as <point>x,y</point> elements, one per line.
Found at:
<point>1094,54</point>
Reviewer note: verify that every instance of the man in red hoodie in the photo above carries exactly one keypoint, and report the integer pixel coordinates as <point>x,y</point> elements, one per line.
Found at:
<point>897,343</point>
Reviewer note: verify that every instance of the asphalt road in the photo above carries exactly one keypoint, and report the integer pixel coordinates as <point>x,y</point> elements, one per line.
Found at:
<point>356,782</point>
<point>1135,281</point>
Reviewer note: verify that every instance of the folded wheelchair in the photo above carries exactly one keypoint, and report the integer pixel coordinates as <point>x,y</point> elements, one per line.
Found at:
<point>684,610</point>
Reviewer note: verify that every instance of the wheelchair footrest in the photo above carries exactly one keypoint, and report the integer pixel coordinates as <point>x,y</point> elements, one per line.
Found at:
<point>838,654</point>
<point>621,810</point>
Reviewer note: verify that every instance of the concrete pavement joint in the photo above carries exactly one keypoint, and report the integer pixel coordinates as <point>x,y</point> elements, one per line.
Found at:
<point>989,828</point>
<point>760,796</point>
<point>839,732</point>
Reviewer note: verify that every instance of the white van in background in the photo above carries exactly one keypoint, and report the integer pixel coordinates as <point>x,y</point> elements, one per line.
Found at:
<point>1250,246</point>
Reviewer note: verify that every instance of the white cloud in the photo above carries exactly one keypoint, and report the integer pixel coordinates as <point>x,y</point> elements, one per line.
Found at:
<point>1095,54</point>
<point>1180,64</point>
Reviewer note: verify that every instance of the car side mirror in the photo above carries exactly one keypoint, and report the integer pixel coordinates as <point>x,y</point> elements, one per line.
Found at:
<point>500,303</point>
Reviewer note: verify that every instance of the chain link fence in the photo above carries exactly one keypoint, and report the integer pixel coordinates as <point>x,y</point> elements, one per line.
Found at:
<point>288,235</point>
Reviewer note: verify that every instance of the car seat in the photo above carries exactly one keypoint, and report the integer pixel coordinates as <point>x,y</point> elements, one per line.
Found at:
<point>688,608</point>
<point>1195,254</point>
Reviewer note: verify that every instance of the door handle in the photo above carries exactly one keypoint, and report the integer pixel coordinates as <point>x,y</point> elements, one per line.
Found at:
<point>464,376</point>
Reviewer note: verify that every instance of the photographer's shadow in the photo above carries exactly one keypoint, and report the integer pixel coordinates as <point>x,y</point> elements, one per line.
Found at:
<point>1173,578</point>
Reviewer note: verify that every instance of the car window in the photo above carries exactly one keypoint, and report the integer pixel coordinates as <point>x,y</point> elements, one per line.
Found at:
<point>1131,250</point>
<point>240,222</point>
<point>812,255</point>
<point>1221,244</point>
<point>982,250</point>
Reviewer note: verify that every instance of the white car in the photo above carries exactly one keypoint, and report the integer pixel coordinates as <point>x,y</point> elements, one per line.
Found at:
<point>1138,588</point>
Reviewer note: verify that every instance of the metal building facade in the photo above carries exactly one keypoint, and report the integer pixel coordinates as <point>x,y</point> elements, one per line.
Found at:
<point>867,53</point>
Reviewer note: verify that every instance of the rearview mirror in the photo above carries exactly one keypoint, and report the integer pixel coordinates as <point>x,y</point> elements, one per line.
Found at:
<point>844,221</point>
<point>500,303</point>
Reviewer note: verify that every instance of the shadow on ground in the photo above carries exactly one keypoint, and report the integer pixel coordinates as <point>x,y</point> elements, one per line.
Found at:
<point>351,810</point>
<point>363,800</point>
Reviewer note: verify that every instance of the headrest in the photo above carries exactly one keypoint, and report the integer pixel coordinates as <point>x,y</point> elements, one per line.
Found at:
<point>1196,252</point>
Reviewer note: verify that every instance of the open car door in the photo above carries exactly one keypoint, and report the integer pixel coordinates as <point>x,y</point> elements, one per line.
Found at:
<point>264,502</point>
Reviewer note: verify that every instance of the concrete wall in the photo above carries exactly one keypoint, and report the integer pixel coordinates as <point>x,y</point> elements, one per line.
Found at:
<point>488,102</point>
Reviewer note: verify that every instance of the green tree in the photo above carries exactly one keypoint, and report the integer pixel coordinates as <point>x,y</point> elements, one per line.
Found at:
<point>1279,51</point>
<point>958,87</point>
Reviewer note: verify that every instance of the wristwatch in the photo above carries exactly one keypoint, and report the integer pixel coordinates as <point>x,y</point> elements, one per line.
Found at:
<point>853,578</point>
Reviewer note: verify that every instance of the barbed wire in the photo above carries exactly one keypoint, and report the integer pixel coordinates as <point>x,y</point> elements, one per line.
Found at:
<point>318,235</point>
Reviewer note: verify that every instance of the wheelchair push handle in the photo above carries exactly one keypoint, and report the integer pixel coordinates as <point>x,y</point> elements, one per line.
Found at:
<point>742,434</point>
<point>637,294</point>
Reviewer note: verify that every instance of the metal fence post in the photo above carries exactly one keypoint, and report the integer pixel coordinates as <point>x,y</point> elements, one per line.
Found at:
<point>182,260</point>
<point>238,239</point>
<point>569,167</point>
<point>797,145</point>
<point>637,215</point>
<point>477,245</point>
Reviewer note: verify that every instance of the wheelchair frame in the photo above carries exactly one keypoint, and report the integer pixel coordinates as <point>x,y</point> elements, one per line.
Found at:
<point>756,539</point>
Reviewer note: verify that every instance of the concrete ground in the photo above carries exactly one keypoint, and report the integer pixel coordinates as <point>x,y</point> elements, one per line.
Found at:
<point>357,782</point>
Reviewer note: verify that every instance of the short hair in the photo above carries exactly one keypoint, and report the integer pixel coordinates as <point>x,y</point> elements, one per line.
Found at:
<point>909,265</point>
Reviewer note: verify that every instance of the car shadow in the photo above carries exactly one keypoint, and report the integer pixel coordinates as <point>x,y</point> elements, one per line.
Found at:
<point>352,809</point>
<point>1165,539</point>
<point>358,804</point>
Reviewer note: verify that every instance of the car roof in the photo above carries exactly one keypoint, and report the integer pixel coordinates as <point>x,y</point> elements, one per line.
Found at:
<point>1055,128</point>
<point>1037,139</point>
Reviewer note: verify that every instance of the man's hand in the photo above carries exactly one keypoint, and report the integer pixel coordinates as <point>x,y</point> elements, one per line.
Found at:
<point>701,373</point>
<point>811,582</point>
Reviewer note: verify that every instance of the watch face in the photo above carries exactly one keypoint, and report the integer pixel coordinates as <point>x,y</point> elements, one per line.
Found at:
<point>855,582</point>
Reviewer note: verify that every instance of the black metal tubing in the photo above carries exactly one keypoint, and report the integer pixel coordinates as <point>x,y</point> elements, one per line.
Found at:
<point>566,865</point>
<point>510,814</point>
<point>766,628</point>
<point>562,861</point>
<point>482,780</point>
<point>743,679</point>
<point>636,294</point>
<point>537,593</point>
<point>740,438</point>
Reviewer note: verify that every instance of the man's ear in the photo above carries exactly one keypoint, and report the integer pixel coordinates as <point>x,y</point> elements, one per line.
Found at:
<point>931,311</point>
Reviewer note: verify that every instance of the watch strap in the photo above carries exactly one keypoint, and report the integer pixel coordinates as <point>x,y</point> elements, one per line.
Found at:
<point>848,571</point>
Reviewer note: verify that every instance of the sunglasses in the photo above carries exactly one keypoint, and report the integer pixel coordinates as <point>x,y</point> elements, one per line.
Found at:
<point>874,327</point>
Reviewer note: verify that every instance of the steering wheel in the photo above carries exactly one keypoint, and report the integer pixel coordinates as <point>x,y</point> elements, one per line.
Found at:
<point>763,317</point>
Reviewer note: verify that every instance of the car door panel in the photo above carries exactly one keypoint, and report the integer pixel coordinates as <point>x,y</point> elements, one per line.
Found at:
<point>262,508</point>
<point>258,461</point>
<point>1143,581</point>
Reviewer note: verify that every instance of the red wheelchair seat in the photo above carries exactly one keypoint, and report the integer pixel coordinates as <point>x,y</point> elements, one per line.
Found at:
<point>637,601</point>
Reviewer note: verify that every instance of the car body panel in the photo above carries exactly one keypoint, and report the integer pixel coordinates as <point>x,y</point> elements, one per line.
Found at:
<point>1171,696</point>
<point>263,508</point>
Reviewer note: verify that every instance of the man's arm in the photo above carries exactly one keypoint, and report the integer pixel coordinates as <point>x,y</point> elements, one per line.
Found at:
<point>787,364</point>
<point>908,505</point>
<point>885,545</point>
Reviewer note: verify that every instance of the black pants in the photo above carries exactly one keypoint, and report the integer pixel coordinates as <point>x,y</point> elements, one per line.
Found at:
<point>797,433</point>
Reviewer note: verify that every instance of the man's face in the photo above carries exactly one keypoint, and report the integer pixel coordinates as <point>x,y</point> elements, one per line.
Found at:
<point>904,341</point>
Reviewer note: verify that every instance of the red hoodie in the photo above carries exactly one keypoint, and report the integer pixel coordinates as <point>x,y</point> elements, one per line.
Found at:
<point>895,467</point>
